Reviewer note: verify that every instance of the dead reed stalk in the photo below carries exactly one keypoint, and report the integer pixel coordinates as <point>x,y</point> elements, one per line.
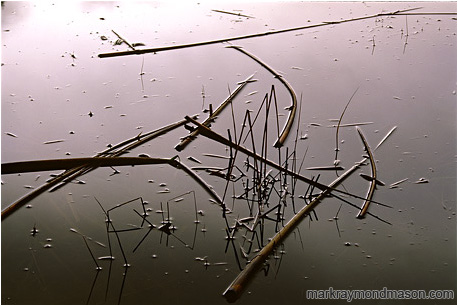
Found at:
<point>292,109</point>
<point>224,40</point>
<point>235,289</point>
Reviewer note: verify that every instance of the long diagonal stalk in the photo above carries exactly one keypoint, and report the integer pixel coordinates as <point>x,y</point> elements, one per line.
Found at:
<point>292,110</point>
<point>224,40</point>
<point>125,147</point>
<point>99,162</point>
<point>236,288</point>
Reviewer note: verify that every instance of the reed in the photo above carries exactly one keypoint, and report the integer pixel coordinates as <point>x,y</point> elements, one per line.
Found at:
<point>371,191</point>
<point>235,289</point>
<point>187,140</point>
<point>292,109</point>
<point>228,39</point>
<point>216,137</point>
<point>340,120</point>
<point>127,43</point>
<point>73,173</point>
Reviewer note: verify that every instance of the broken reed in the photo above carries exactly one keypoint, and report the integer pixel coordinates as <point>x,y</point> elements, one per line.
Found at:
<point>68,175</point>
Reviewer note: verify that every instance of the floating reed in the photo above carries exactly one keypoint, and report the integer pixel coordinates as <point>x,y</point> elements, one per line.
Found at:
<point>69,163</point>
<point>45,165</point>
<point>236,14</point>
<point>71,174</point>
<point>216,137</point>
<point>386,136</point>
<point>340,120</point>
<point>235,289</point>
<point>373,184</point>
<point>187,140</point>
<point>224,40</point>
<point>127,43</point>
<point>292,110</point>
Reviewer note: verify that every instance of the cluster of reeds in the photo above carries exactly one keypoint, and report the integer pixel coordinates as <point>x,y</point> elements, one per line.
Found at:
<point>268,188</point>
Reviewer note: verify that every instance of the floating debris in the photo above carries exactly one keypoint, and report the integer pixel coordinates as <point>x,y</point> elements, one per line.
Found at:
<point>99,243</point>
<point>179,199</point>
<point>384,138</point>
<point>251,93</point>
<point>397,98</point>
<point>144,155</point>
<point>421,180</point>
<point>326,168</point>
<point>370,179</point>
<point>194,160</point>
<point>53,141</point>
<point>215,155</point>
<point>47,246</point>
<point>11,134</point>
<point>395,184</point>
<point>351,124</point>
<point>28,187</point>
<point>106,258</point>
<point>236,14</point>
<point>34,231</point>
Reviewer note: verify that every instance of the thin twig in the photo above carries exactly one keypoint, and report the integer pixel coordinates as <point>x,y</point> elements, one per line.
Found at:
<point>340,120</point>
<point>236,14</point>
<point>127,43</point>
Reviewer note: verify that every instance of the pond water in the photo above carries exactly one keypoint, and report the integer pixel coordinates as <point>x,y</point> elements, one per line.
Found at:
<point>60,100</point>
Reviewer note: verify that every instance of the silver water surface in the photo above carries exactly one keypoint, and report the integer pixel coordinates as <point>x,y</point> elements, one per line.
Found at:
<point>52,79</point>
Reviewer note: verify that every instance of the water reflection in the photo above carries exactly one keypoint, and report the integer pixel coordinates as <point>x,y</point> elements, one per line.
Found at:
<point>180,231</point>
